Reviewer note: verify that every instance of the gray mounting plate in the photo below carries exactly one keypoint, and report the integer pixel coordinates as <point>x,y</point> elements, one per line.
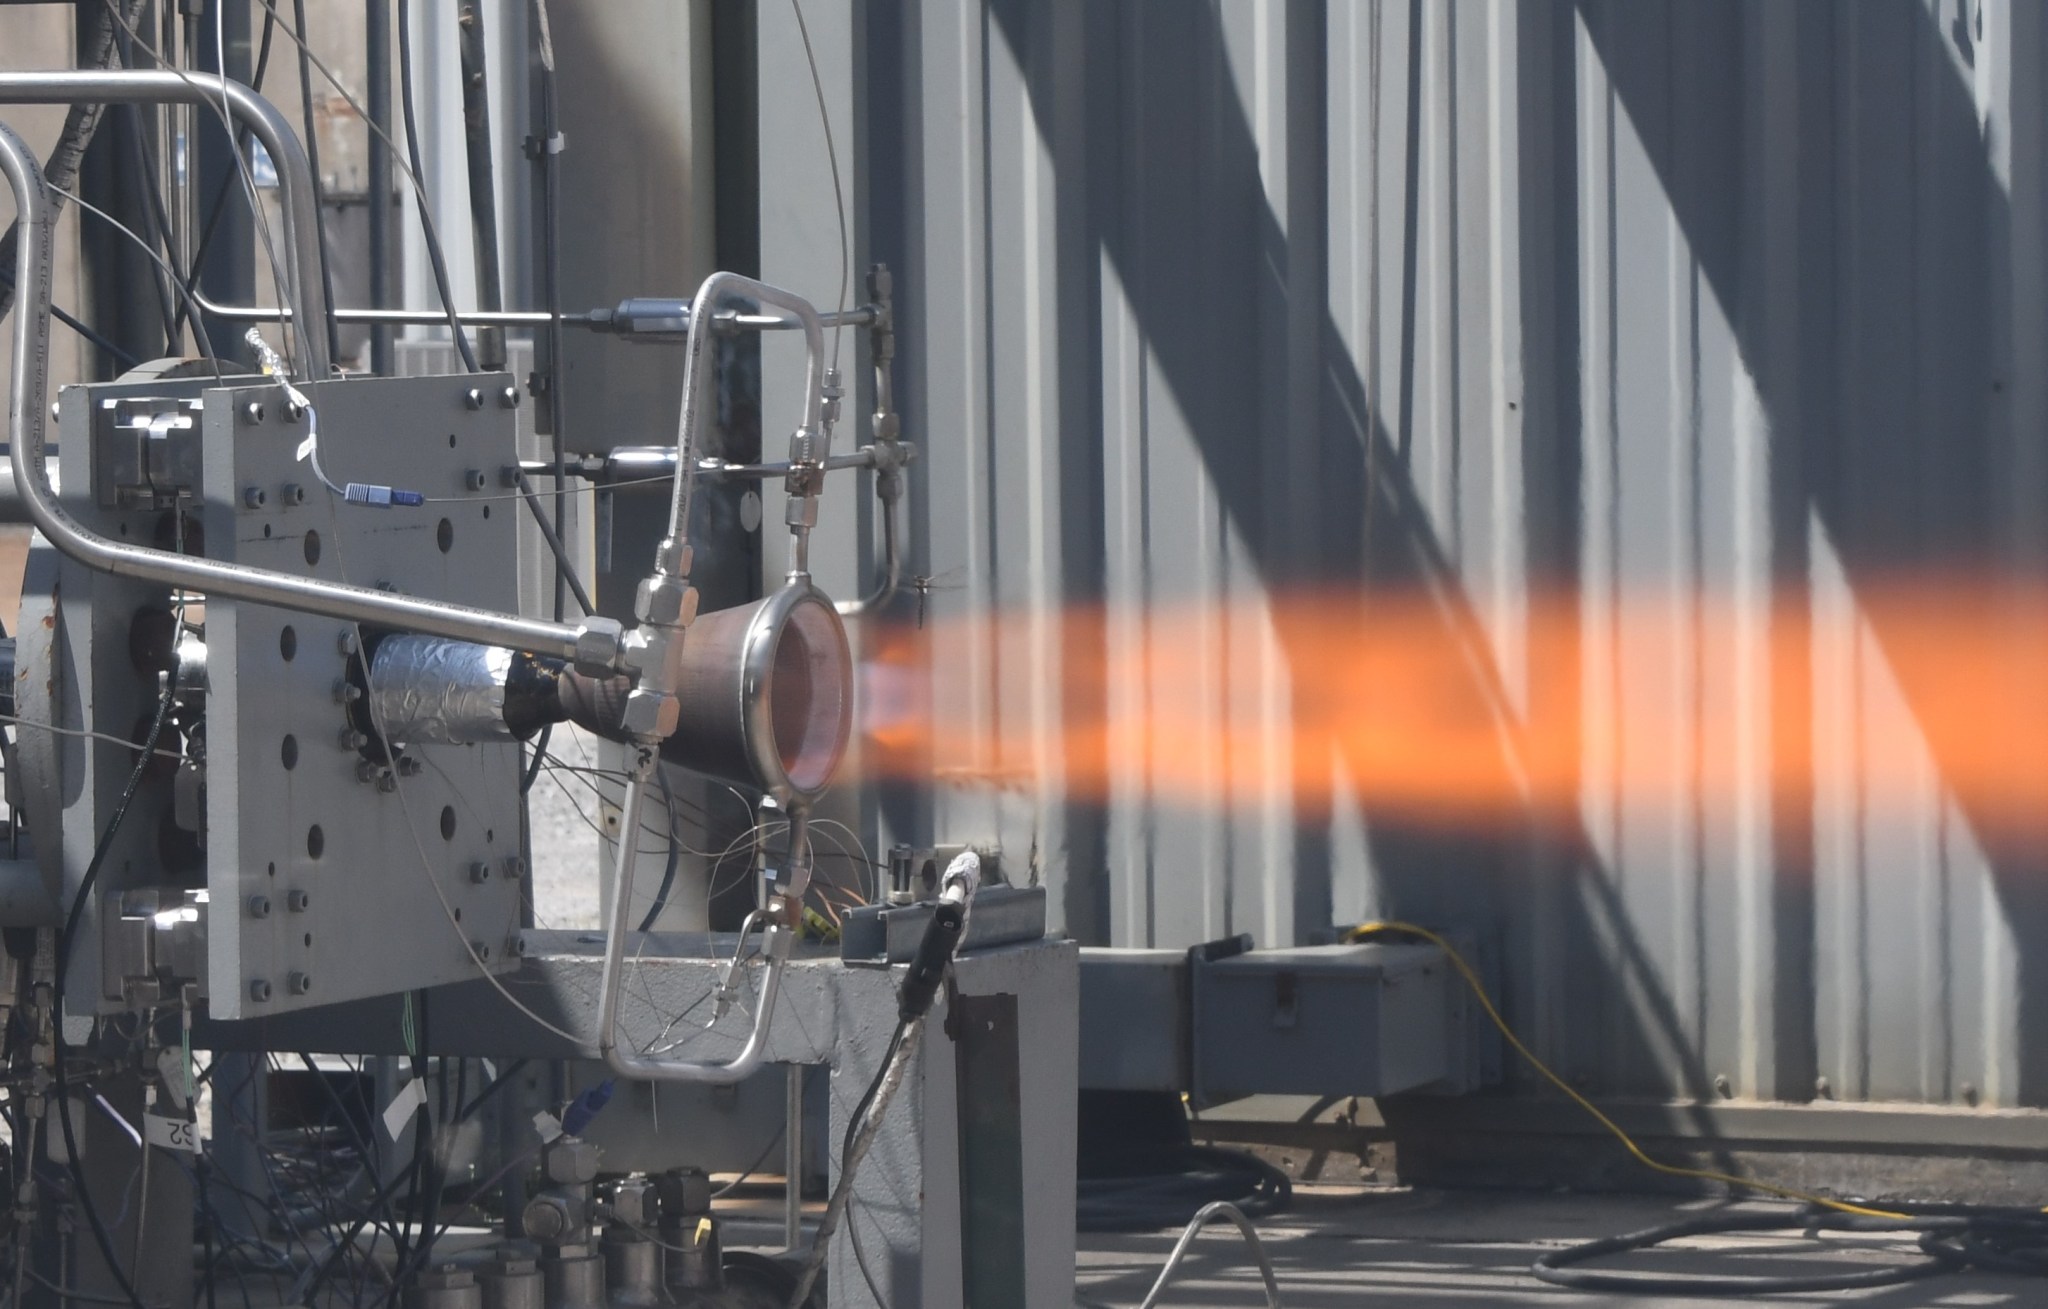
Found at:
<point>371,923</point>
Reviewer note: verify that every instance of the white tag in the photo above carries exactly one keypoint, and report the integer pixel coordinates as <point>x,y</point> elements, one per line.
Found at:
<point>403,1106</point>
<point>548,1126</point>
<point>169,1133</point>
<point>306,448</point>
<point>170,1066</point>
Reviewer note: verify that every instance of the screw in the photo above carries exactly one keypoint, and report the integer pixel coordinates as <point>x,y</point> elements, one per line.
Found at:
<point>1823,1088</point>
<point>366,771</point>
<point>259,990</point>
<point>509,397</point>
<point>253,411</point>
<point>346,692</point>
<point>1969,1090</point>
<point>474,479</point>
<point>259,906</point>
<point>298,901</point>
<point>294,410</point>
<point>347,641</point>
<point>1723,1085</point>
<point>479,872</point>
<point>515,867</point>
<point>473,398</point>
<point>294,494</point>
<point>483,952</point>
<point>516,947</point>
<point>386,782</point>
<point>253,497</point>
<point>408,766</point>
<point>351,739</point>
<point>299,983</point>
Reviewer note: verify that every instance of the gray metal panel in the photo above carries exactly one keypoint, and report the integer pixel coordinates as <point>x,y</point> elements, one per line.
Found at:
<point>1694,328</point>
<point>372,923</point>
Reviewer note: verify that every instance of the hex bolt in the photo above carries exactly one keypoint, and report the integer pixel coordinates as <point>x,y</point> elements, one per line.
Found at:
<point>294,494</point>
<point>366,771</point>
<point>473,398</point>
<point>294,410</point>
<point>509,397</point>
<point>474,479</point>
<point>299,983</point>
<point>351,739</point>
<point>346,642</point>
<point>253,497</point>
<point>482,951</point>
<point>253,411</point>
<point>298,901</point>
<point>479,872</point>
<point>259,990</point>
<point>386,782</point>
<point>515,867</point>
<point>259,906</point>
<point>346,692</point>
<point>408,766</point>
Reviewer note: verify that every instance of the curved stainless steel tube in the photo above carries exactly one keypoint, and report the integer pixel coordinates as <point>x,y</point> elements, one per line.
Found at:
<point>595,641</point>
<point>775,948</point>
<point>694,373</point>
<point>295,176</point>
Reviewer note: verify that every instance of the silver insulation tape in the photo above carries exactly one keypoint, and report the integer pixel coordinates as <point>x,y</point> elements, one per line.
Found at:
<point>429,690</point>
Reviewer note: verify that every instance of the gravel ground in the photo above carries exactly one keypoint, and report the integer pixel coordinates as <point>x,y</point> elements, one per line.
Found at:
<point>565,812</point>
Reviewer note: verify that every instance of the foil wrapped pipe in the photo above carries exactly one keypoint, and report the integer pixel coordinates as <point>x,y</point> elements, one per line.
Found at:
<point>425,690</point>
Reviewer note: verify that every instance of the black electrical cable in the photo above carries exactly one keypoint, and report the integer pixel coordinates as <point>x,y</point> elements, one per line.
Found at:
<point>120,355</point>
<point>435,259</point>
<point>491,1088</point>
<point>1159,1188</point>
<point>675,850</point>
<point>101,848</point>
<point>236,142</point>
<point>1557,1267</point>
<point>319,182</point>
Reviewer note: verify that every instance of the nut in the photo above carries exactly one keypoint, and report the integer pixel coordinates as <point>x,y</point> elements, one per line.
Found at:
<point>351,739</point>
<point>571,1161</point>
<point>685,1191</point>
<point>408,766</point>
<point>635,1203</point>
<point>651,715</point>
<point>387,782</point>
<point>665,602</point>
<point>366,772</point>
<point>597,646</point>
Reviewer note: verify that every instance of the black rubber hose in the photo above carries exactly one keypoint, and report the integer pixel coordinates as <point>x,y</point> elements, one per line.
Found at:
<point>1560,1267</point>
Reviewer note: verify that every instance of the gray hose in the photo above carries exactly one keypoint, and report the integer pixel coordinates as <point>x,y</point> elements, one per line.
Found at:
<point>80,122</point>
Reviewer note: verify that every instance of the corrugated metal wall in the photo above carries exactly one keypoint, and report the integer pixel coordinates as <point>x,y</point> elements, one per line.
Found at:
<point>1695,327</point>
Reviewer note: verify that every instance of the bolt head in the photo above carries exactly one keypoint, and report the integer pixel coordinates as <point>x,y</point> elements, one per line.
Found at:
<point>298,901</point>
<point>366,772</point>
<point>259,906</point>
<point>351,739</point>
<point>479,872</point>
<point>299,983</point>
<point>253,497</point>
<point>475,479</point>
<point>509,397</point>
<point>515,867</point>
<point>294,494</point>
<point>259,990</point>
<point>346,642</point>
<point>481,950</point>
<point>253,411</point>
<point>409,766</point>
<point>387,782</point>
<point>473,398</point>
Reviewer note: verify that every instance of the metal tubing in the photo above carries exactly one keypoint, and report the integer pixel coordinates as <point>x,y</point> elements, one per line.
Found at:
<point>598,638</point>
<point>295,175</point>
<point>775,948</point>
<point>695,372</point>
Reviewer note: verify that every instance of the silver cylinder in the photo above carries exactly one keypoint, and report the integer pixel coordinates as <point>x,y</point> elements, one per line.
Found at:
<point>424,689</point>
<point>514,1283</point>
<point>446,1287</point>
<point>632,1269</point>
<point>574,1278</point>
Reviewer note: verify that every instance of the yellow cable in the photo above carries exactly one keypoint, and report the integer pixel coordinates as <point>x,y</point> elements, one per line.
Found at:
<point>1365,930</point>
